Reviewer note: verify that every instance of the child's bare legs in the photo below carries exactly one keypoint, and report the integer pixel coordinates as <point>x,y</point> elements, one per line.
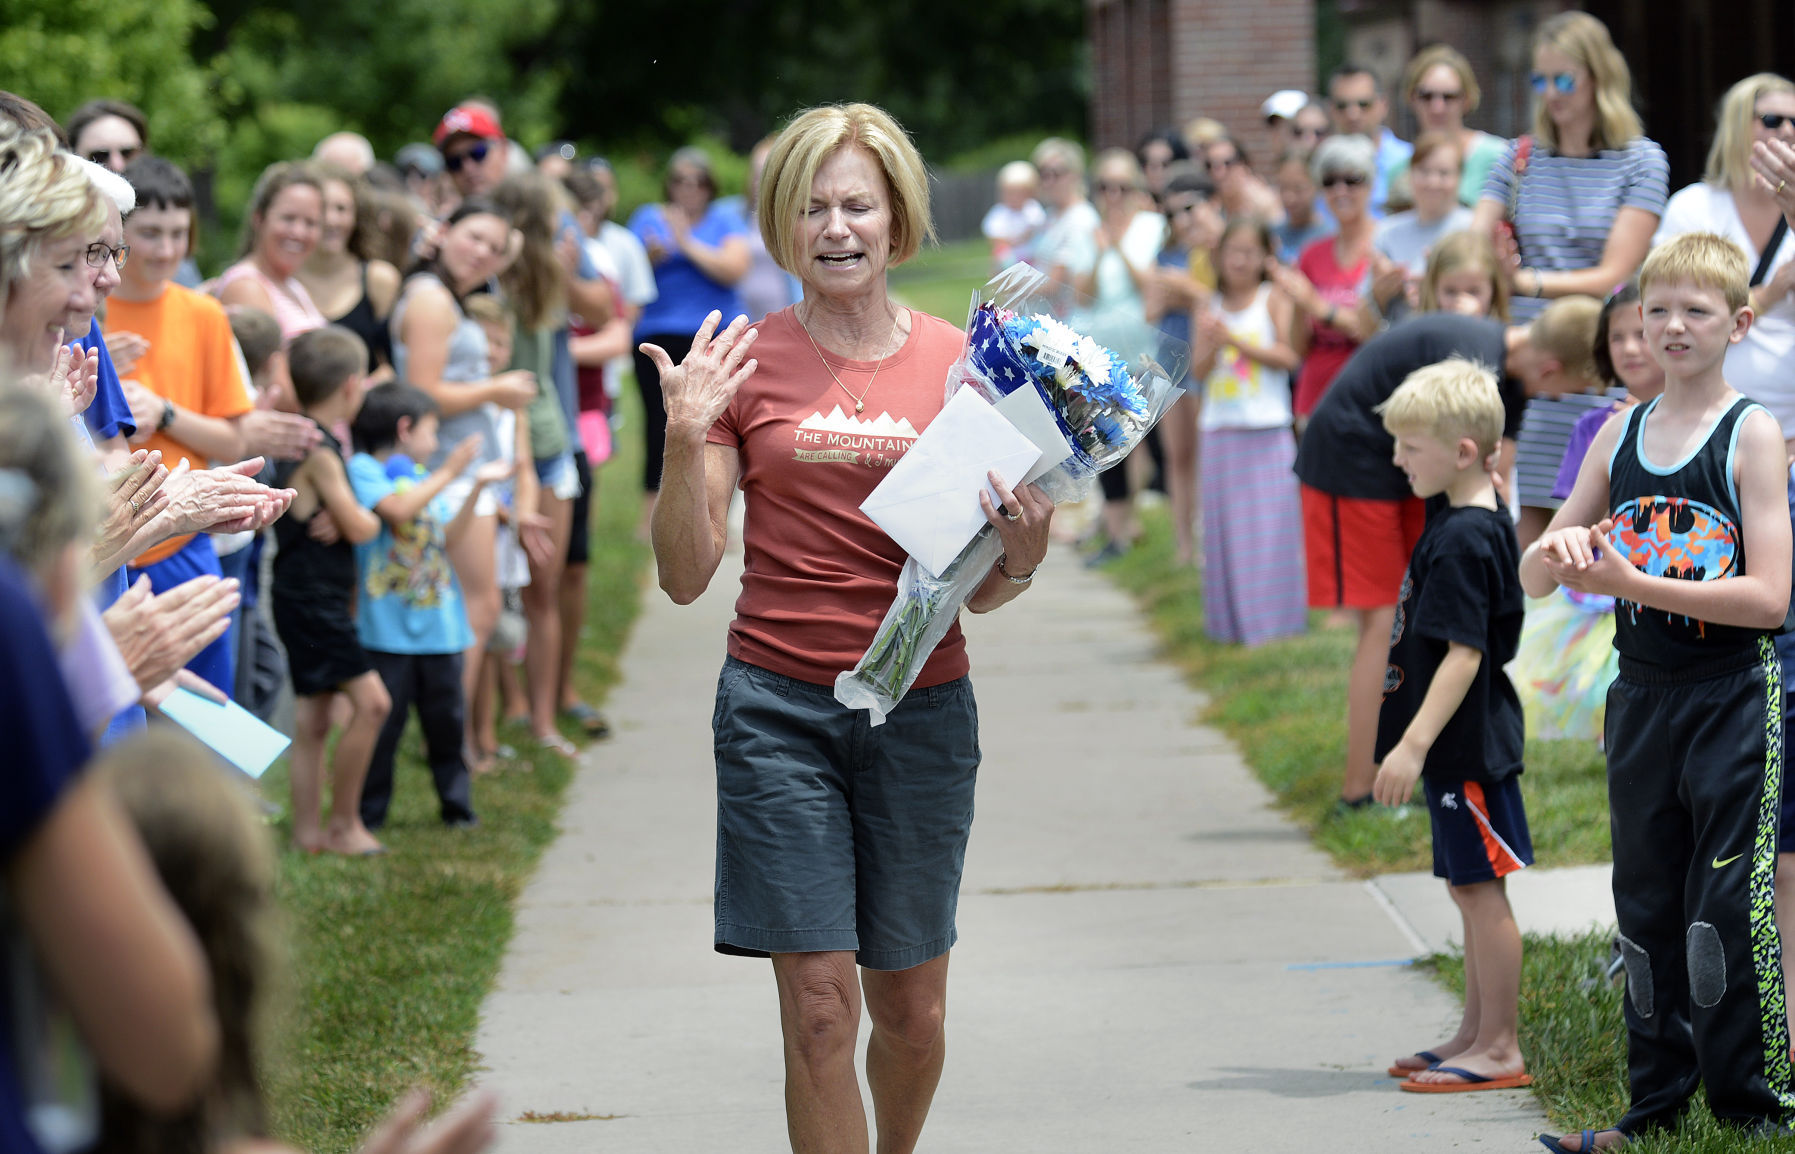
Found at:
<point>573,622</point>
<point>1364,698</point>
<point>345,832</point>
<point>305,772</point>
<point>1468,1020</point>
<point>482,708</point>
<point>1178,436</point>
<point>542,609</point>
<point>473,558</point>
<point>1492,984</point>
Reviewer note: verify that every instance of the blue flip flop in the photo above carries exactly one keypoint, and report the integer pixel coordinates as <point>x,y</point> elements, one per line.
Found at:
<point>1586,1141</point>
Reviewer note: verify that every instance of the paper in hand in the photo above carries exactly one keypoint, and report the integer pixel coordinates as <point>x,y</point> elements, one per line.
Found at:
<point>236,734</point>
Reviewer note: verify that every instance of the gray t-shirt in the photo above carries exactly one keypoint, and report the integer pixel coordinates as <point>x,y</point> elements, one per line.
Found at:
<point>1406,239</point>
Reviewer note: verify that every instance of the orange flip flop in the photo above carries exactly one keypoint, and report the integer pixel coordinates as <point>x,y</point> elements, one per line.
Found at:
<point>1471,1082</point>
<point>1432,1059</point>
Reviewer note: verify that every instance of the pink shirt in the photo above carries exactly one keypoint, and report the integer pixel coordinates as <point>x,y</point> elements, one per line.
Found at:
<point>1329,348</point>
<point>293,307</point>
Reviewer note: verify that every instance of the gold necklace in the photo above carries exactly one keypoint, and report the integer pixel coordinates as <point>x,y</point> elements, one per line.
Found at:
<point>860,401</point>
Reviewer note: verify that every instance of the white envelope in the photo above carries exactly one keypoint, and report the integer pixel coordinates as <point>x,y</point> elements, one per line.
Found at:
<point>1027,410</point>
<point>929,502</point>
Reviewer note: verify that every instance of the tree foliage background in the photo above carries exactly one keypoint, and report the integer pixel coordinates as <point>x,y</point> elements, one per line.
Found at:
<point>232,85</point>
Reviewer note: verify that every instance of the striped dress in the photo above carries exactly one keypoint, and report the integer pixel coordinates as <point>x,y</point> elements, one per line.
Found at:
<point>1563,214</point>
<point>1254,580</point>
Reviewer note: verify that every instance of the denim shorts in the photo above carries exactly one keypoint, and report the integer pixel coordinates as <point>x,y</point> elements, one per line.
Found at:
<point>833,834</point>
<point>559,476</point>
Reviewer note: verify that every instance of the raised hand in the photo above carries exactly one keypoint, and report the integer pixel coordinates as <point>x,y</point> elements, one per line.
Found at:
<point>134,497</point>
<point>159,633</point>
<point>514,389</point>
<point>698,389</point>
<point>283,436</point>
<point>1021,517</point>
<point>463,454</point>
<point>1774,163</point>
<point>126,349</point>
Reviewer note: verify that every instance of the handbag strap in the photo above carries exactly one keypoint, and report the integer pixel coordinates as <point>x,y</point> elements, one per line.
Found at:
<point>1768,256</point>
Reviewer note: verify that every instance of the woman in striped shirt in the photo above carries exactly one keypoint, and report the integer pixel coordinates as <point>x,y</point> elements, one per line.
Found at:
<point>1583,207</point>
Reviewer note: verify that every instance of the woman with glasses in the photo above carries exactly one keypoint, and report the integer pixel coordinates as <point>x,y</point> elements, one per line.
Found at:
<point>1442,90</point>
<point>1071,218</point>
<point>699,250</point>
<point>1331,277</point>
<point>1581,198</point>
<point>108,132</point>
<point>1183,283</point>
<point>1157,152</point>
<point>1115,271</point>
<point>1241,191</point>
<point>1729,200</point>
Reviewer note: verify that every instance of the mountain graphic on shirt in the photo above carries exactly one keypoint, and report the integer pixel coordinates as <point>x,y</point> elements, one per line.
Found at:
<point>840,422</point>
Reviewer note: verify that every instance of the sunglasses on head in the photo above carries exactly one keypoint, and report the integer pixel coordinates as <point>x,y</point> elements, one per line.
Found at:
<point>474,155</point>
<point>1564,82</point>
<point>1428,96</point>
<point>1774,120</point>
<point>1361,105</point>
<point>1349,179</point>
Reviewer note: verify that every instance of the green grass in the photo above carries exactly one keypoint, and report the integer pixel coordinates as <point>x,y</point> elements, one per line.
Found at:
<point>392,957</point>
<point>1284,704</point>
<point>940,280</point>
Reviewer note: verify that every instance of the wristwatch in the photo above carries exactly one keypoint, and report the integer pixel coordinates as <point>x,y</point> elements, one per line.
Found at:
<point>1008,576</point>
<point>168,415</point>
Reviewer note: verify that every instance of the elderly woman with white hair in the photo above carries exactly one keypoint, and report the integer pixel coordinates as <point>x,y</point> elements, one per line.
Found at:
<point>1330,275</point>
<point>839,845</point>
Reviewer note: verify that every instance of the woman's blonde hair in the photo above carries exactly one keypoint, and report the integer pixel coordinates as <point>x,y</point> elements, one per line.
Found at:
<point>536,281</point>
<point>44,195</point>
<point>49,496</point>
<point>275,179</point>
<point>216,859</point>
<point>812,138</point>
<point>1729,159</point>
<point>1431,57</point>
<point>1457,252</point>
<point>1585,40</point>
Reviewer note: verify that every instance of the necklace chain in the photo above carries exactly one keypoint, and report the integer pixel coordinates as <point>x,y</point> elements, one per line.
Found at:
<point>860,401</point>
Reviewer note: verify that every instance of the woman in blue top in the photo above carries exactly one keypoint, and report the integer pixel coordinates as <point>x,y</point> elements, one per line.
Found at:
<point>699,250</point>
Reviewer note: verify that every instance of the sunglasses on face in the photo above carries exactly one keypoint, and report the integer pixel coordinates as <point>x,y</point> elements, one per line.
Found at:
<point>1774,120</point>
<point>125,155</point>
<point>1113,186</point>
<point>1309,133</point>
<point>1224,162</point>
<point>1426,96</point>
<point>1179,208</point>
<point>1564,82</point>
<point>1361,105</point>
<point>99,252</point>
<point>1339,179</point>
<point>1055,173</point>
<point>474,155</point>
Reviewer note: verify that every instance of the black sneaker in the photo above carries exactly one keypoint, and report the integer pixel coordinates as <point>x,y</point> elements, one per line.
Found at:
<point>468,822</point>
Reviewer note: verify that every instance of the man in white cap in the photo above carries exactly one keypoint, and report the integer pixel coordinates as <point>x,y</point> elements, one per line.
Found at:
<point>1279,110</point>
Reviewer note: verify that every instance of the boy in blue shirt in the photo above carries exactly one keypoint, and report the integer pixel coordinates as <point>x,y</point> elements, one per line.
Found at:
<point>410,618</point>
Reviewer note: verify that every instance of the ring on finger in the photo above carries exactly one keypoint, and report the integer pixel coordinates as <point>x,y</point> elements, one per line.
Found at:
<point>136,505</point>
<point>1009,515</point>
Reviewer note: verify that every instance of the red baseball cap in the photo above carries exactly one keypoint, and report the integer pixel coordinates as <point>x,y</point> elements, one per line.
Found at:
<point>470,119</point>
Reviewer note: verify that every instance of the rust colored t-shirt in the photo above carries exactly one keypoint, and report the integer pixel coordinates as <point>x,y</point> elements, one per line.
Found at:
<point>820,575</point>
<point>192,361</point>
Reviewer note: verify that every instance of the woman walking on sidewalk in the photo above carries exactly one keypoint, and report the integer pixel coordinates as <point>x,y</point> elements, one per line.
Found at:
<point>838,844</point>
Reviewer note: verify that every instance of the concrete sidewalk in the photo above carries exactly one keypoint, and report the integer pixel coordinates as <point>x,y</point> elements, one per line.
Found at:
<point>1151,959</point>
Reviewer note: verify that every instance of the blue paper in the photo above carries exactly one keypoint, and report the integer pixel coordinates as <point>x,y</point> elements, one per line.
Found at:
<point>238,735</point>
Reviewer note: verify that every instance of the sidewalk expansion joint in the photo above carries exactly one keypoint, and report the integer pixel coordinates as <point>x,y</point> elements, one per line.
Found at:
<point>1182,884</point>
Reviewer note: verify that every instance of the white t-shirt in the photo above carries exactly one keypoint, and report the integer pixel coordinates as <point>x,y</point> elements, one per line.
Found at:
<point>1067,238</point>
<point>1014,225</point>
<point>1759,366</point>
<point>1241,393</point>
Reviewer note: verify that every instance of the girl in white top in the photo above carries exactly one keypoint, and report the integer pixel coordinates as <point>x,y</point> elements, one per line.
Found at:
<point>1253,584</point>
<point>1731,202</point>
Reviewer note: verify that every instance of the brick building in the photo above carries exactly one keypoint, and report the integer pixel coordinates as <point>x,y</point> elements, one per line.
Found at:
<point>1162,62</point>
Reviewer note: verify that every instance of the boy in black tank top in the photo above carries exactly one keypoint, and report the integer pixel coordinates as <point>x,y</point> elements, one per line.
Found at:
<point>1679,513</point>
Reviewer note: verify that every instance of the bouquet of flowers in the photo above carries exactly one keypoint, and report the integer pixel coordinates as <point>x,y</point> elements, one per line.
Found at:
<point>1103,401</point>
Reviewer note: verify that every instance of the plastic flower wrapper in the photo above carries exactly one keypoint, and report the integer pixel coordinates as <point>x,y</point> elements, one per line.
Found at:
<point>1104,401</point>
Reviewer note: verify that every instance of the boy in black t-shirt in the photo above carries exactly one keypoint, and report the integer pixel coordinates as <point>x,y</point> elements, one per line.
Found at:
<point>1450,718</point>
<point>1678,514</point>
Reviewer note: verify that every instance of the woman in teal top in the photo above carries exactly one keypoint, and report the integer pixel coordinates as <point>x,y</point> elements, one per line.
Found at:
<point>1442,90</point>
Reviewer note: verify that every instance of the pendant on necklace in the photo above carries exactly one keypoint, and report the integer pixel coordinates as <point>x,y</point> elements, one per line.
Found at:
<point>860,406</point>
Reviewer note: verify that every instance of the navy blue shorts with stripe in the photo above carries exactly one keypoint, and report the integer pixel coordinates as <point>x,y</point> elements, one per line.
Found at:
<point>1479,830</point>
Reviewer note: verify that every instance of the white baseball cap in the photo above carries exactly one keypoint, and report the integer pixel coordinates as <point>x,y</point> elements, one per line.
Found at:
<point>1284,104</point>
